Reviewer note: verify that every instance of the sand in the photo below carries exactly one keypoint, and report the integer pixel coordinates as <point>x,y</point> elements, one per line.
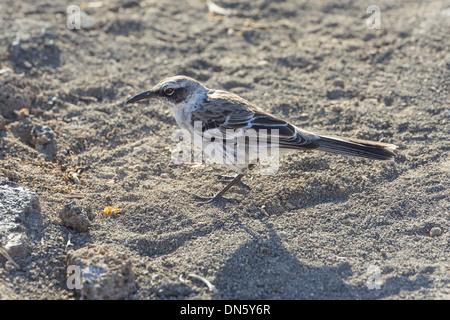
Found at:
<point>325,227</point>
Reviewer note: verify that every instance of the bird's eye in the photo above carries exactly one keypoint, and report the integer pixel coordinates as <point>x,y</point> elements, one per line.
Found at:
<point>168,91</point>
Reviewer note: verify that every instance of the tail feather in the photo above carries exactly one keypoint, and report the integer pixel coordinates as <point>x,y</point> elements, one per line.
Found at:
<point>359,148</point>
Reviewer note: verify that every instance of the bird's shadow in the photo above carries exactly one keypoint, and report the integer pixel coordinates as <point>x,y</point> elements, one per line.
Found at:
<point>265,269</point>
<point>297,197</point>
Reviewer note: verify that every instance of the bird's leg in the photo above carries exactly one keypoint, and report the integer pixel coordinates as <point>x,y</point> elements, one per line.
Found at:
<point>224,178</point>
<point>220,194</point>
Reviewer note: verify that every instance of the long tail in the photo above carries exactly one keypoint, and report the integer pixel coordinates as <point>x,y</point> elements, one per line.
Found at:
<point>359,148</point>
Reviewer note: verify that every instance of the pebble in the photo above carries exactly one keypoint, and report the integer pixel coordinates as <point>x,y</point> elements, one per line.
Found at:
<point>87,22</point>
<point>74,216</point>
<point>12,175</point>
<point>106,274</point>
<point>17,244</point>
<point>436,231</point>
<point>339,83</point>
<point>289,206</point>
<point>120,170</point>
<point>9,266</point>
<point>27,65</point>
<point>6,71</point>
<point>19,212</point>
<point>42,134</point>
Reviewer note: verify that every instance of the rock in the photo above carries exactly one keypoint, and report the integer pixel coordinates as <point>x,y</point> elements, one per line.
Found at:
<point>388,101</point>
<point>17,245</point>
<point>12,175</point>
<point>87,22</point>
<point>105,274</point>
<point>436,231</point>
<point>335,94</point>
<point>43,140</point>
<point>41,137</point>
<point>137,168</point>
<point>9,266</point>
<point>6,71</point>
<point>19,211</point>
<point>73,216</point>
<point>339,83</point>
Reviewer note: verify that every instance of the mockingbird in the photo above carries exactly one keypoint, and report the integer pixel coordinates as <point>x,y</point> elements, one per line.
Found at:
<point>220,111</point>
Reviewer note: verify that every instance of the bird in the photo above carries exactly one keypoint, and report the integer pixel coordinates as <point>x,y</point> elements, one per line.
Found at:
<point>218,112</point>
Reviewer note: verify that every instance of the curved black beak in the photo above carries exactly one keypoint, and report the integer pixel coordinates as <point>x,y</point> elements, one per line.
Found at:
<point>141,96</point>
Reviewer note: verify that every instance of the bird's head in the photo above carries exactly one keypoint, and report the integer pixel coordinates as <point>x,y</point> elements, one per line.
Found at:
<point>173,90</point>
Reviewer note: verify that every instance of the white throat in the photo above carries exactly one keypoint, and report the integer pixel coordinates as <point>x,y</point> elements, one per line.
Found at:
<point>183,110</point>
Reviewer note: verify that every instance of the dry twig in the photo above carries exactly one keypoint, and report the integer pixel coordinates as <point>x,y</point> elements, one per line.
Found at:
<point>5,253</point>
<point>210,286</point>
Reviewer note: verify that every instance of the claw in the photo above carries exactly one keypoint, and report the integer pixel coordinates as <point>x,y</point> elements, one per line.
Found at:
<point>228,179</point>
<point>217,197</point>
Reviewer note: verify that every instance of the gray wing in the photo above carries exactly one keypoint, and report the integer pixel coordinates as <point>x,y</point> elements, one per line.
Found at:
<point>223,110</point>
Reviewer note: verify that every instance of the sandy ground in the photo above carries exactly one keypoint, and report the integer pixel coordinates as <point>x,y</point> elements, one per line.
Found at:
<point>321,228</point>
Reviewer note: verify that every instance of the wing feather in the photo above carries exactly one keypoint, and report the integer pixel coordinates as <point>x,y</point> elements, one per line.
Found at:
<point>222,111</point>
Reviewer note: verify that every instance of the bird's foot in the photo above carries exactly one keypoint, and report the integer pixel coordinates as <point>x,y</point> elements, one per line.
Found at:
<point>214,198</point>
<point>228,179</point>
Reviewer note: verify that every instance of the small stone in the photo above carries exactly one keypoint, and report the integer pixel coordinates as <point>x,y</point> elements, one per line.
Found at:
<point>105,274</point>
<point>73,216</point>
<point>12,175</point>
<point>289,206</point>
<point>44,141</point>
<point>9,266</point>
<point>120,170</point>
<point>6,71</point>
<point>27,65</point>
<point>19,214</point>
<point>339,83</point>
<point>436,231</point>
<point>388,101</point>
<point>335,94</point>
<point>87,22</point>
<point>42,135</point>
<point>262,62</point>
<point>17,245</point>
